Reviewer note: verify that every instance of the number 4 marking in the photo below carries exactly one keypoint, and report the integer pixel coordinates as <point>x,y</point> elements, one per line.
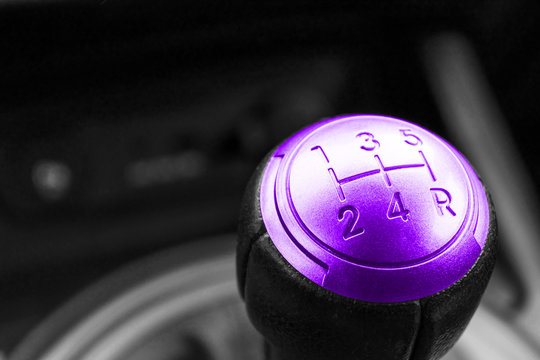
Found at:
<point>396,208</point>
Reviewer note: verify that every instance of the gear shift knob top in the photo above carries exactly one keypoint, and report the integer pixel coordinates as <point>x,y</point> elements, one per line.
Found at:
<point>364,237</point>
<point>374,208</point>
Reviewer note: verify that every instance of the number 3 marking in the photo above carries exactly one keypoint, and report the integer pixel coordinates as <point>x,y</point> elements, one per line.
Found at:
<point>351,225</point>
<point>370,142</point>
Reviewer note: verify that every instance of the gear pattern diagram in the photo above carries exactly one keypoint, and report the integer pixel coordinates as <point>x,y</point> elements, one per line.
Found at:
<point>391,200</point>
<point>367,197</point>
<point>441,197</point>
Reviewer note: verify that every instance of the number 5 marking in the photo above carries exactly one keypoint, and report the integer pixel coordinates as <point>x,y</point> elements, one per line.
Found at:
<point>410,138</point>
<point>351,225</point>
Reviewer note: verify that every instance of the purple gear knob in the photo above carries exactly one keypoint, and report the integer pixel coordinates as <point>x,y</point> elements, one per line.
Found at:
<point>374,208</point>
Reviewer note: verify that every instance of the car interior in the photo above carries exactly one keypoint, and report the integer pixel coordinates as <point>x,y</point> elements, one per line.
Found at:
<point>130,130</point>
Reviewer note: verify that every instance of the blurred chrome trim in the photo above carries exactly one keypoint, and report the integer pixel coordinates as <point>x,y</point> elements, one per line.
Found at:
<point>202,278</point>
<point>476,123</point>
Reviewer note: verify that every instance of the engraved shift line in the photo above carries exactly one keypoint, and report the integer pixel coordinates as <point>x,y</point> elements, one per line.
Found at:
<point>427,165</point>
<point>337,184</point>
<point>376,171</point>
<point>385,175</point>
<point>358,176</point>
<point>332,173</point>
<point>397,167</point>
<point>322,152</point>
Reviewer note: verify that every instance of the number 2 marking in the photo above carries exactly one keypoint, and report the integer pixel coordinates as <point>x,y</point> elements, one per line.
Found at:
<point>351,225</point>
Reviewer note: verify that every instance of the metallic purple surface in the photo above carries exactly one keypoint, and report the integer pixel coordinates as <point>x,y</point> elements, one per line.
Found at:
<point>374,208</point>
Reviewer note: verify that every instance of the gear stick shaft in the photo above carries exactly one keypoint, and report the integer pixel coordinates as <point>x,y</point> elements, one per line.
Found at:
<point>364,237</point>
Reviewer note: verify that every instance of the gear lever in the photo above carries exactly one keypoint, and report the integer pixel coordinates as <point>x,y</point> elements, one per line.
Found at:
<point>364,237</point>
